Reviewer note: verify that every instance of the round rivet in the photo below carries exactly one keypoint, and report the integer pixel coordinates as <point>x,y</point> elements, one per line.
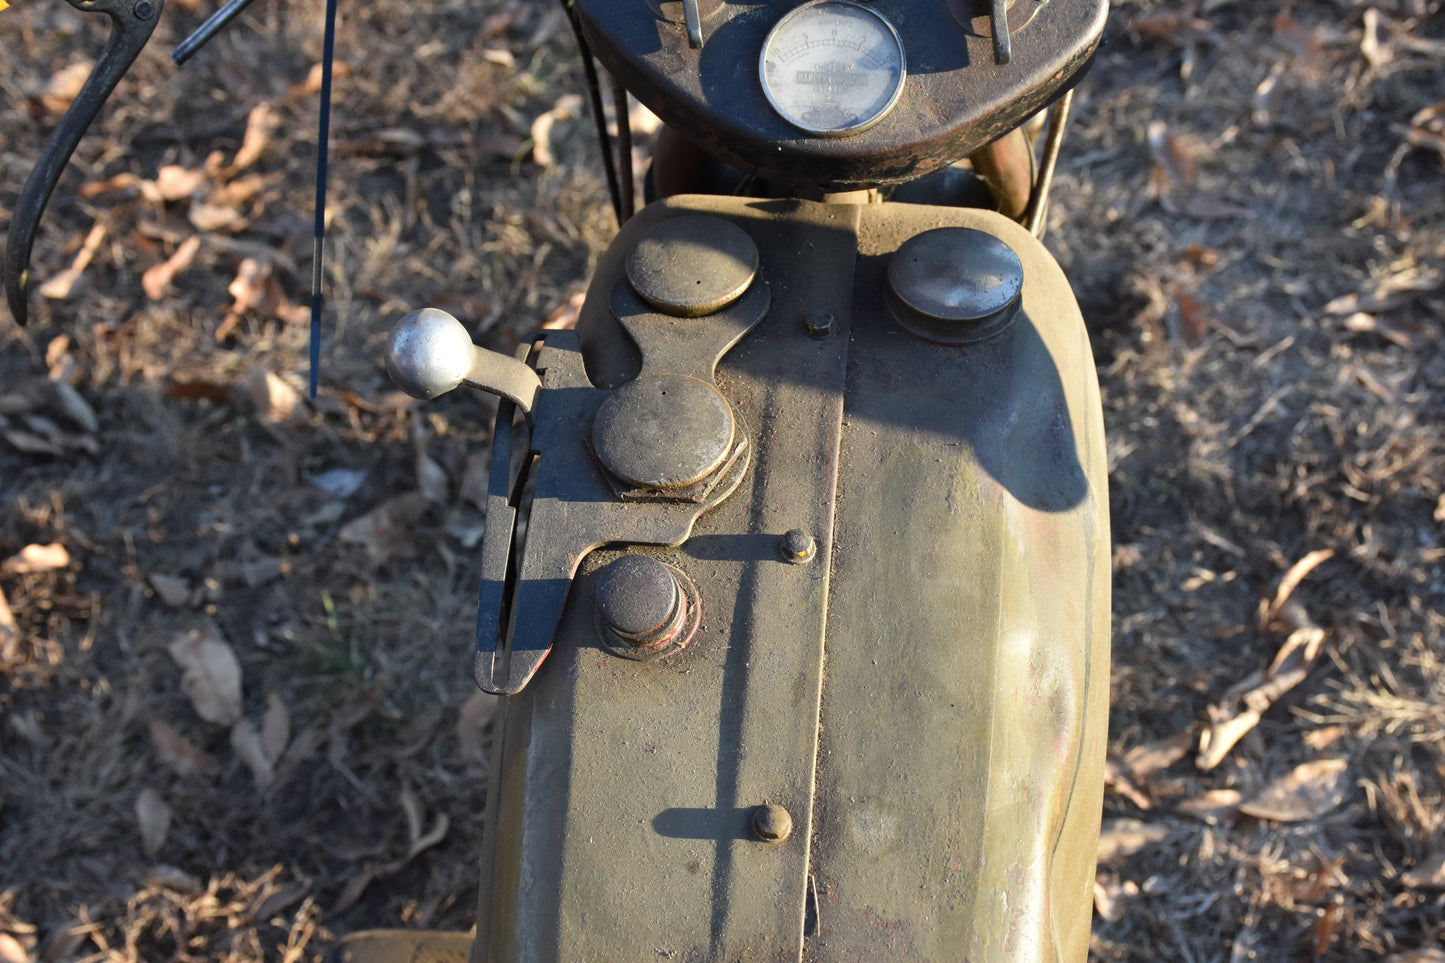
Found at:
<point>639,601</point>
<point>692,265</point>
<point>771,823</point>
<point>797,545</point>
<point>144,10</point>
<point>663,432</point>
<point>954,285</point>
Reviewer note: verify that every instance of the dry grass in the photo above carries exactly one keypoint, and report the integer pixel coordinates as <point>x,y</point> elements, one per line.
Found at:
<point>1256,245</point>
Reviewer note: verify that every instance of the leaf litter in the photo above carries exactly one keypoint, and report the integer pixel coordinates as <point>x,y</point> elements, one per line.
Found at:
<point>1240,410</point>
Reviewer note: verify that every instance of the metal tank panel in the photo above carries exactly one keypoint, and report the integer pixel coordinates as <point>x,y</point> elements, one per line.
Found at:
<point>885,738</point>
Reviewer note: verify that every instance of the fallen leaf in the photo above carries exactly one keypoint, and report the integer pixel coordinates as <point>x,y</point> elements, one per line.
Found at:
<point>210,674</point>
<point>1172,155</point>
<point>120,182</point>
<point>565,108</point>
<point>64,86</point>
<point>1151,757</point>
<point>340,482</point>
<point>172,590</point>
<point>275,401</point>
<point>385,531</point>
<point>1306,792</point>
<point>62,285</point>
<point>1326,925</point>
<point>10,949</point>
<point>1408,335</point>
<point>472,721</point>
<point>208,218</point>
<point>153,817</point>
<point>1211,806</point>
<point>275,728</point>
<point>75,407</point>
<point>1193,321</point>
<point>179,754</point>
<point>1124,837</point>
<point>247,743</point>
<point>9,631</point>
<point>565,316</point>
<point>1430,874</point>
<point>174,182</point>
<point>156,281</point>
<point>431,478</point>
<point>261,125</point>
<point>36,558</point>
<point>1387,293</point>
<point>1291,581</point>
<point>1373,44</point>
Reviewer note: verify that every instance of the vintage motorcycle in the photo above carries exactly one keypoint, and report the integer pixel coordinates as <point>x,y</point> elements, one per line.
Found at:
<point>796,570</point>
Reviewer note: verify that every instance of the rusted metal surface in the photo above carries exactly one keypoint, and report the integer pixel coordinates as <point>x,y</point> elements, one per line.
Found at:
<point>955,101</point>
<point>958,587</point>
<point>692,265</point>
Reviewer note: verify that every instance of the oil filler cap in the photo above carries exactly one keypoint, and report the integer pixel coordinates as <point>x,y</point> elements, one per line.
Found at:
<point>692,265</point>
<point>955,285</point>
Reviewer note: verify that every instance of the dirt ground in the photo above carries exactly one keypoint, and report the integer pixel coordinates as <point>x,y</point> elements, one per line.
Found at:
<point>236,720</point>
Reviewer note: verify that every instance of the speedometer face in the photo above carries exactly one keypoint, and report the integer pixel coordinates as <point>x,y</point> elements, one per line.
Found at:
<point>832,67</point>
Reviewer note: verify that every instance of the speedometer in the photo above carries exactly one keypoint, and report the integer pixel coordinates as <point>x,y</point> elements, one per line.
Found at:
<point>832,67</point>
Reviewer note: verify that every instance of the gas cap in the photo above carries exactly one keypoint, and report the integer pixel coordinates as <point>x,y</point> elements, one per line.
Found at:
<point>692,265</point>
<point>955,285</point>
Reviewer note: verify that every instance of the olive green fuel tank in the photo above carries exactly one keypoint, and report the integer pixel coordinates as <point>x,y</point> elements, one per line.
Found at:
<point>874,725</point>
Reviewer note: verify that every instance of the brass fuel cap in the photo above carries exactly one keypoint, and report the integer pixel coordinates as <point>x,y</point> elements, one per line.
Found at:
<point>692,265</point>
<point>663,431</point>
<point>954,285</point>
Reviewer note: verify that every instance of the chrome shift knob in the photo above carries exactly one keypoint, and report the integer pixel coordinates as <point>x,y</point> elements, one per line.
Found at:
<point>429,353</point>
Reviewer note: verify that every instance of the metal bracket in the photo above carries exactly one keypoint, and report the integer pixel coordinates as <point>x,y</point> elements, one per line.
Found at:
<point>554,503</point>
<point>132,22</point>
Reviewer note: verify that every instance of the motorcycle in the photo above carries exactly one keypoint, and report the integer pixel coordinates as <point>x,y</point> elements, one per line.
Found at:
<point>796,571</point>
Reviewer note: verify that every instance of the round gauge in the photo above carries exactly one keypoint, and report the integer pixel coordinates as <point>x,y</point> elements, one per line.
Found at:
<point>832,67</point>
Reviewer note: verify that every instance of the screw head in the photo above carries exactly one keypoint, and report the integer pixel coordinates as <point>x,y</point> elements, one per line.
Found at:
<point>797,546</point>
<point>818,324</point>
<point>771,823</point>
<point>144,10</point>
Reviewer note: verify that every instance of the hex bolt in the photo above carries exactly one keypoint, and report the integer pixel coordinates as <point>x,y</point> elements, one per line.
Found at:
<point>818,324</point>
<point>797,546</point>
<point>639,601</point>
<point>771,823</point>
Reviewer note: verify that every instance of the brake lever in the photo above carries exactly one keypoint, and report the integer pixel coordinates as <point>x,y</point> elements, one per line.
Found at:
<point>132,22</point>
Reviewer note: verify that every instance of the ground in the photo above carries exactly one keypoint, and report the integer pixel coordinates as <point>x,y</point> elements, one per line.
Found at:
<point>235,714</point>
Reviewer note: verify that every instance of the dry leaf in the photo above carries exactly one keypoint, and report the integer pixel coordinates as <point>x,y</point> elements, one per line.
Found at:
<point>1406,334</point>
<point>566,316</point>
<point>1212,806</point>
<point>11,951</point>
<point>1290,581</point>
<point>156,281</point>
<point>209,218</point>
<point>172,590</point>
<point>247,743</point>
<point>1193,322</point>
<point>36,558</point>
<point>275,401</point>
<point>431,478</point>
<point>385,531</point>
<point>472,721</point>
<point>1172,155</point>
<point>275,728</point>
<point>566,107</point>
<point>1430,874</point>
<point>9,631</point>
<point>1373,44</point>
<point>1124,837</point>
<point>174,183</point>
<point>179,754</point>
<point>76,408</point>
<point>1151,757</point>
<point>260,126</point>
<point>1306,792</point>
<point>153,817</point>
<point>210,674</point>
<point>64,86</point>
<point>120,182</point>
<point>62,285</point>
